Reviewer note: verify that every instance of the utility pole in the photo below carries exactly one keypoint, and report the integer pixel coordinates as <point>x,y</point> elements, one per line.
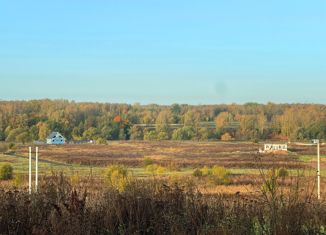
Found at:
<point>318,167</point>
<point>318,171</point>
<point>30,171</point>
<point>36,169</point>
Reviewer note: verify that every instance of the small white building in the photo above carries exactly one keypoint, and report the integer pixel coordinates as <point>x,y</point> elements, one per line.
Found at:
<point>268,148</point>
<point>55,138</point>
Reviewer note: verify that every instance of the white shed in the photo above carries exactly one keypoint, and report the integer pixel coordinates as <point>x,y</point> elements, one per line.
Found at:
<point>275,147</point>
<point>55,138</point>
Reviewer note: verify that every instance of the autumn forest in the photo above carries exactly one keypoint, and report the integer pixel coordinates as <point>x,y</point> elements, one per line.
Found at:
<point>24,121</point>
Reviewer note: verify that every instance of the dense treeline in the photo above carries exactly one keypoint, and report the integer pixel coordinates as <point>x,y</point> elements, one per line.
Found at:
<point>23,121</point>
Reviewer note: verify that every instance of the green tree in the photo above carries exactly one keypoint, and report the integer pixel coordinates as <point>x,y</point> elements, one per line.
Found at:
<point>122,134</point>
<point>223,119</point>
<point>162,136</point>
<point>150,135</point>
<point>111,131</point>
<point>136,133</point>
<point>23,137</point>
<point>13,134</point>
<point>183,133</point>
<point>163,122</point>
<point>77,132</point>
<point>90,134</point>
<point>204,134</point>
<point>8,130</point>
<point>44,130</point>
<point>2,135</point>
<point>34,133</point>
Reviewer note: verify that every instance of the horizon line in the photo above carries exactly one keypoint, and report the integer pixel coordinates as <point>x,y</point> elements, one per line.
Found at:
<point>160,104</point>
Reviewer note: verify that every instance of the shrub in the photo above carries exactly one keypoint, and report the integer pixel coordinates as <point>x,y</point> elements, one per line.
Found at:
<point>206,171</point>
<point>220,175</point>
<point>136,133</point>
<point>155,169</point>
<point>197,173</point>
<point>117,177</point>
<point>6,172</point>
<point>160,170</point>
<point>23,137</point>
<point>150,135</point>
<point>226,137</point>
<point>204,134</point>
<point>3,147</point>
<point>101,141</point>
<point>184,133</point>
<point>74,180</point>
<point>18,180</point>
<point>151,168</point>
<point>270,184</point>
<point>11,145</point>
<point>147,161</point>
<point>162,135</point>
<point>282,172</point>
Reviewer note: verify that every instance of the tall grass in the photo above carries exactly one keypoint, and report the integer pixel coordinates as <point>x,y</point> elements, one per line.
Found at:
<point>158,207</point>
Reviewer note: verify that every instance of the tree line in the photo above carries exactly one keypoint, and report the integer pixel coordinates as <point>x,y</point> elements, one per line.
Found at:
<point>25,121</point>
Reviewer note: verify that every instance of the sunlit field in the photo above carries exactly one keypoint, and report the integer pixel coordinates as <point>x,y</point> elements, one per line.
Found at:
<point>174,159</point>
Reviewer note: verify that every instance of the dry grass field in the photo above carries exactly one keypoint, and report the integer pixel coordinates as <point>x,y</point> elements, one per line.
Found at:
<point>184,154</point>
<point>180,159</point>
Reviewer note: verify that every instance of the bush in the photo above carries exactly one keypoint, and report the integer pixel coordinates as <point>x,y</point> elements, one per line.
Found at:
<point>206,171</point>
<point>136,133</point>
<point>147,161</point>
<point>197,173</point>
<point>220,175</point>
<point>3,147</point>
<point>18,180</point>
<point>101,141</point>
<point>150,135</point>
<point>163,136</point>
<point>226,137</point>
<point>117,177</point>
<point>155,169</point>
<point>282,172</point>
<point>11,145</point>
<point>183,133</point>
<point>6,172</point>
<point>74,180</point>
<point>160,170</point>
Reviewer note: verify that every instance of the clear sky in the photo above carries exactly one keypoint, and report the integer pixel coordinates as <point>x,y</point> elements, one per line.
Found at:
<point>167,51</point>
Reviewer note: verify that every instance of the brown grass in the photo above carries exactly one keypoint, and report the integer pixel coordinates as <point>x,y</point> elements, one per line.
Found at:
<point>183,154</point>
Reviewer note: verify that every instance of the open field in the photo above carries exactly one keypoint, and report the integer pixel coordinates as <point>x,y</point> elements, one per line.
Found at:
<point>179,159</point>
<point>184,154</point>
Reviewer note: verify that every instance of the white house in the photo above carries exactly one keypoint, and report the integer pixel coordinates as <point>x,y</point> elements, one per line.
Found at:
<point>275,147</point>
<point>55,138</point>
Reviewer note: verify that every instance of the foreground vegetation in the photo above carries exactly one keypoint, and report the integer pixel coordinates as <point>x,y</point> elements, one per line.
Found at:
<point>159,207</point>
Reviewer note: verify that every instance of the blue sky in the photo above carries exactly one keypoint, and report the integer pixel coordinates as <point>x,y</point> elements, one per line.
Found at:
<point>164,52</point>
